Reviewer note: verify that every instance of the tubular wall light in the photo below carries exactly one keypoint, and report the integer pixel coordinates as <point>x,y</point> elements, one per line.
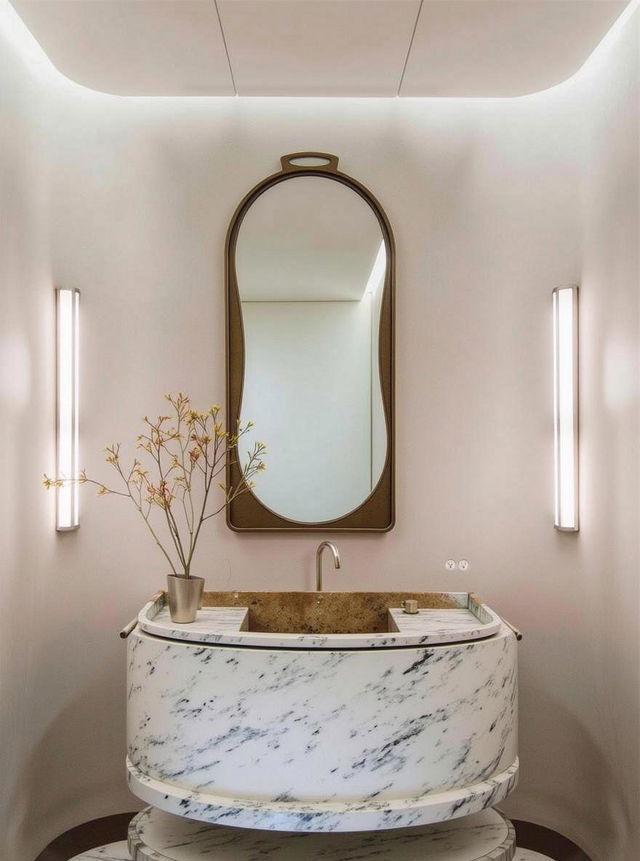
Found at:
<point>68,330</point>
<point>565,372</point>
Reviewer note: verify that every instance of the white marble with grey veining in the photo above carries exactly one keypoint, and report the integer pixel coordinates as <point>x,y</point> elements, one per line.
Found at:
<point>443,626</point>
<point>227,626</point>
<point>119,851</point>
<point>212,624</point>
<point>367,815</point>
<point>158,836</point>
<point>111,852</point>
<point>322,740</point>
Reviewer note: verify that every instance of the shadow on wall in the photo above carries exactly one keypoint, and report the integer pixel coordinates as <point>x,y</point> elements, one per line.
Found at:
<point>83,787</point>
<point>569,762</point>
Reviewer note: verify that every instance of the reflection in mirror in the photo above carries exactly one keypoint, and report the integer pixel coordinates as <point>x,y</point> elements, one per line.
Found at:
<point>310,265</point>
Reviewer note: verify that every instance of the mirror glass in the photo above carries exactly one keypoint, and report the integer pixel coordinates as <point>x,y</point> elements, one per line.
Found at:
<point>310,266</point>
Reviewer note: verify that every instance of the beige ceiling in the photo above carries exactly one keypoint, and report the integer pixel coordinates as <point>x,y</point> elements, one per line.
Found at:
<point>319,47</point>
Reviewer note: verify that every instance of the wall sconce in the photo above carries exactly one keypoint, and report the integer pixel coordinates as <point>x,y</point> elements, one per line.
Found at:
<point>565,371</point>
<point>68,330</point>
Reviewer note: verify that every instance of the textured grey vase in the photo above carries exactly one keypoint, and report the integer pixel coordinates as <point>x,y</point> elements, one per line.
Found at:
<point>185,597</point>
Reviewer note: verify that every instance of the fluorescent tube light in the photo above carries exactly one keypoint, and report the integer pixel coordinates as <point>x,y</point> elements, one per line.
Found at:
<point>68,327</point>
<point>565,371</point>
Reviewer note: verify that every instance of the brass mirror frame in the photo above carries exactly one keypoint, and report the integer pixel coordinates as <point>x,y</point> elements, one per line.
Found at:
<point>247,513</point>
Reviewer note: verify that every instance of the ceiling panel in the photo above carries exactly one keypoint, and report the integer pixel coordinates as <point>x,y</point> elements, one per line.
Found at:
<point>502,47</point>
<point>133,47</point>
<point>318,47</point>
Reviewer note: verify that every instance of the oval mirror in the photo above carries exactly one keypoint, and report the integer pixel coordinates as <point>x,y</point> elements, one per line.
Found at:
<point>309,265</point>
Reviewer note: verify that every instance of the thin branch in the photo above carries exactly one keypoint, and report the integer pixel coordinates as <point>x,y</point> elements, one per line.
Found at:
<point>196,445</point>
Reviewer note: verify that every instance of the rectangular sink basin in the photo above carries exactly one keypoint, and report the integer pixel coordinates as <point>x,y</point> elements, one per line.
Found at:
<point>326,612</point>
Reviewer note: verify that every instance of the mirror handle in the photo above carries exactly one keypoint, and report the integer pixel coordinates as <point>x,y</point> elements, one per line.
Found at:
<point>289,166</point>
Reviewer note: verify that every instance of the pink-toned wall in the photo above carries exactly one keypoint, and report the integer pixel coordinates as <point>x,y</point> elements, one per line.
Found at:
<point>607,554</point>
<point>493,203</point>
<point>26,402</point>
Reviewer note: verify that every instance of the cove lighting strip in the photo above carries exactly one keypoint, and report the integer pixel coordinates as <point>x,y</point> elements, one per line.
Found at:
<point>68,331</point>
<point>565,372</point>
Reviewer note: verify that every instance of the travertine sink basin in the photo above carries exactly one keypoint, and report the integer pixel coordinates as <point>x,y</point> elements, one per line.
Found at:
<point>324,612</point>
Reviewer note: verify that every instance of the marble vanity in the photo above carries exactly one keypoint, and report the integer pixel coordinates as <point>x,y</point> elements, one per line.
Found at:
<point>323,712</point>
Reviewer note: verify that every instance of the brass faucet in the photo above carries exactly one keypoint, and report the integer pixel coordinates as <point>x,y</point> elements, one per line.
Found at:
<point>336,561</point>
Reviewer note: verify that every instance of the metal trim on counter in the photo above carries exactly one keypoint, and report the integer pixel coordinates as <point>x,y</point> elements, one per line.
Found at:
<point>158,596</point>
<point>518,633</point>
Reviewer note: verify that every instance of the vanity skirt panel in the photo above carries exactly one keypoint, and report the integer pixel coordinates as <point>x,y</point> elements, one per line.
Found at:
<point>228,734</point>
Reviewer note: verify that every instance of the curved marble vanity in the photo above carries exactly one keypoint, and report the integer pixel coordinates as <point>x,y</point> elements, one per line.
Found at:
<point>258,719</point>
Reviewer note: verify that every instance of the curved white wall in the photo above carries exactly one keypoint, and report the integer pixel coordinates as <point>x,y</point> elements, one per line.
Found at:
<point>25,412</point>
<point>493,203</point>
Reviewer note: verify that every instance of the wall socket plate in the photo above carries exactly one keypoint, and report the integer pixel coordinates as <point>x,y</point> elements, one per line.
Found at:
<point>462,565</point>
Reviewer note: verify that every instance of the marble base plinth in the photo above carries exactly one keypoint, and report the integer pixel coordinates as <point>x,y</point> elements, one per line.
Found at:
<point>158,836</point>
<point>120,852</point>
<point>111,852</point>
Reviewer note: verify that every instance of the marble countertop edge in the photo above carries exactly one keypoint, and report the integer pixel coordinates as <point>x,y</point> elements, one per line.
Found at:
<point>228,626</point>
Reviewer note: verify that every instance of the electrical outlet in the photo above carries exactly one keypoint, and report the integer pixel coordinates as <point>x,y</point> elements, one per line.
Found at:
<point>450,565</point>
<point>463,565</point>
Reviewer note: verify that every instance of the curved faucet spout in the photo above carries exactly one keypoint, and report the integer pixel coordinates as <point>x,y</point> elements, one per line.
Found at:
<point>336,561</point>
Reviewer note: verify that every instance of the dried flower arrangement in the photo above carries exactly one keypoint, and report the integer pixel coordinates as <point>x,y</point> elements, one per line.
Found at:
<point>186,450</point>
